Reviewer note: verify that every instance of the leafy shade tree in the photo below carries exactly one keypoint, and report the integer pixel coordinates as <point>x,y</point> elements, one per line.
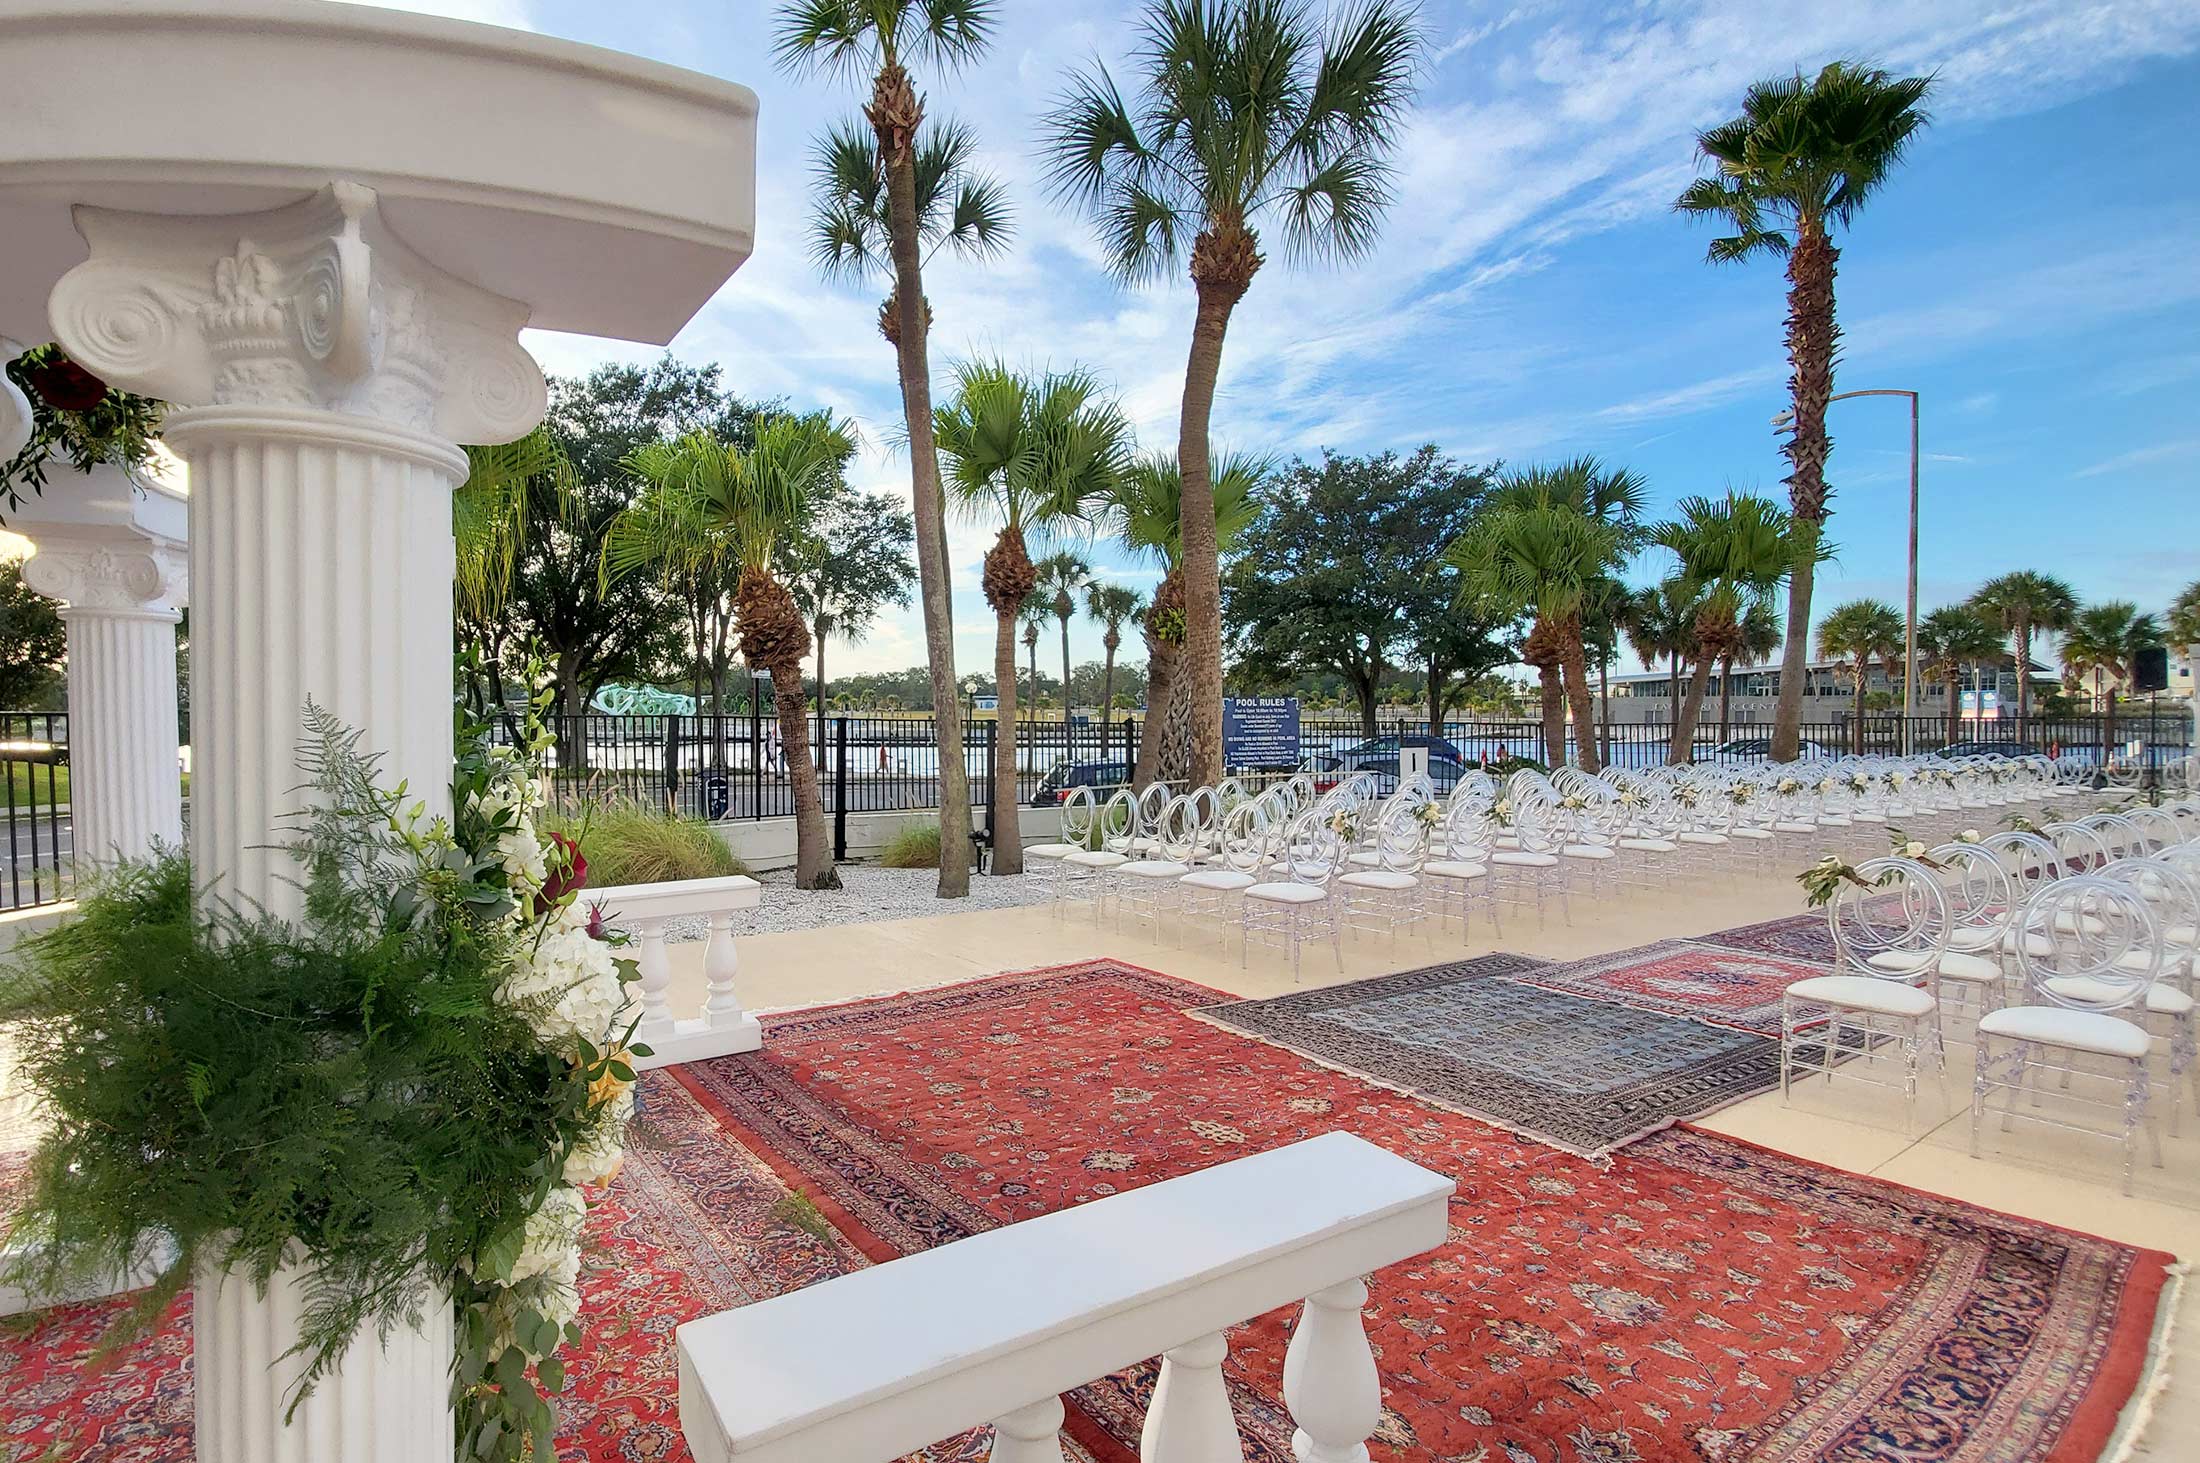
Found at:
<point>1733,553</point>
<point>847,563</point>
<point>1146,512</point>
<point>2024,603</point>
<point>1063,575</point>
<point>881,211</point>
<point>1859,632</point>
<point>1548,542</point>
<point>1803,158</point>
<point>1024,453</point>
<point>1111,604</point>
<point>1951,640</point>
<point>1342,571</point>
<point>2102,642</point>
<point>33,642</point>
<point>709,499</point>
<point>1247,112</point>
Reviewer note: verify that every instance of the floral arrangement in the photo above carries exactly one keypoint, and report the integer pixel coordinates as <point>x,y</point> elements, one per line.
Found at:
<point>1970,835</point>
<point>1630,798</point>
<point>1789,786</point>
<point>1428,815</point>
<point>74,416</point>
<point>1897,778</point>
<point>1860,782</point>
<point>1686,794</point>
<point>1822,880</point>
<point>1828,784</point>
<point>1902,845</point>
<point>1501,813</point>
<point>442,1044</point>
<point>1345,823</point>
<point>2018,823</point>
<point>1740,794</point>
<point>1573,802</point>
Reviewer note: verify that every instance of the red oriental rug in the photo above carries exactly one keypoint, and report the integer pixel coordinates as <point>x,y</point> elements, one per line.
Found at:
<point>695,1226</point>
<point>1698,1299</point>
<point>1696,980</point>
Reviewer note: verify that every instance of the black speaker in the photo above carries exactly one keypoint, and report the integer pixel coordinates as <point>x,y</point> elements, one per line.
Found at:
<point>2150,670</point>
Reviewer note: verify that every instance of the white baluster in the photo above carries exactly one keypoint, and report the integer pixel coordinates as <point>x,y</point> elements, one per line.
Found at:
<point>1190,1421</point>
<point>1030,1434</point>
<point>720,965</point>
<point>656,968</point>
<point>1329,1379</point>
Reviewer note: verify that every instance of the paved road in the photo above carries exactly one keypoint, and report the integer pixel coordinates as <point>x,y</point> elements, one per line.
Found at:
<point>28,864</point>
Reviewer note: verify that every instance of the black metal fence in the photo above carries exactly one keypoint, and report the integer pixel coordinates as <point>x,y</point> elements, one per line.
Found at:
<point>34,802</point>
<point>735,767</point>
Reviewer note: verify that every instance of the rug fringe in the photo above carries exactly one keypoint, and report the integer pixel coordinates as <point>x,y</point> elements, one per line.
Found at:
<point>2131,1427</point>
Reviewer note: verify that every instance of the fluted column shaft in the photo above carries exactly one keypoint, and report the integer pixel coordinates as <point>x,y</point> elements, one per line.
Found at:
<point>125,794</point>
<point>321,546</point>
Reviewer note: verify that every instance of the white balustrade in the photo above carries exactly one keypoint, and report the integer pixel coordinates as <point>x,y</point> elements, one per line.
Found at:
<point>993,1329</point>
<point>644,910</point>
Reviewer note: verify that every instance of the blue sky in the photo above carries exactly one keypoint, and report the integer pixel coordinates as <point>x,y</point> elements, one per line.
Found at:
<point>2032,271</point>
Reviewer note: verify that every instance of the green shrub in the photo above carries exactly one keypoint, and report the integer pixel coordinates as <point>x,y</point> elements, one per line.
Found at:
<point>915,847</point>
<point>627,843</point>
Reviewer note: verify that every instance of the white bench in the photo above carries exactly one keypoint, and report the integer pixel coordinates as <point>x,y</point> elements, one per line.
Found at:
<point>644,910</point>
<point>880,1362</point>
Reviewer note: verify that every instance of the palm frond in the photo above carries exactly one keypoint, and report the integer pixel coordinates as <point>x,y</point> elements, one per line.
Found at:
<point>949,33</point>
<point>826,35</point>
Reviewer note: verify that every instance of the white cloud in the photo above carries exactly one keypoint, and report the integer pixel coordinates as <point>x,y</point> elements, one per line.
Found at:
<point>2142,457</point>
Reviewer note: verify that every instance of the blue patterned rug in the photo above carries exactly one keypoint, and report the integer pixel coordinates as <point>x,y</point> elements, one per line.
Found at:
<point>1584,1076</point>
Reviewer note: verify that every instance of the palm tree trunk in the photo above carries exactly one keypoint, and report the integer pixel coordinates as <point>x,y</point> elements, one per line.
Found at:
<point>2023,640</point>
<point>817,634</point>
<point>1200,678</point>
<point>1812,337</point>
<point>1161,669</point>
<point>1107,696</point>
<point>1553,696</point>
<point>894,116</point>
<point>1955,705</point>
<point>1683,749</point>
<point>1065,685</point>
<point>1856,711</point>
<point>813,856</point>
<point>2108,731</point>
<point>1437,676</point>
<point>1604,709</point>
<point>1726,699</point>
<point>1578,700</point>
<point>1008,843</point>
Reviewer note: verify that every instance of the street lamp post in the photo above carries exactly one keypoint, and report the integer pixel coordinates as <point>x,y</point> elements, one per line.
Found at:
<point>1909,617</point>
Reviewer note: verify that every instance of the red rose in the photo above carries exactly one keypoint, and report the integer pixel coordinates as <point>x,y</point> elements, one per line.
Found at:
<point>599,923</point>
<point>569,874</point>
<point>67,386</point>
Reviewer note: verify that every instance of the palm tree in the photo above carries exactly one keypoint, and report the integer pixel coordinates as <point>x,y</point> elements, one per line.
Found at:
<point>1857,632</point>
<point>881,209</point>
<point>1035,618</point>
<point>1803,157</point>
<point>1147,513</point>
<point>1951,640</point>
<point>2184,617</point>
<point>1247,112</point>
<point>1536,564</point>
<point>1733,553</point>
<point>708,501</point>
<point>1063,575</point>
<point>1759,637</point>
<point>1025,453</point>
<point>1660,623</point>
<point>2025,602</point>
<point>2103,641</point>
<point>1111,604</point>
<point>489,520</point>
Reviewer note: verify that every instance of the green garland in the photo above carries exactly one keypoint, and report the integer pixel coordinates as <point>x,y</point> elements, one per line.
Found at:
<point>77,417</point>
<point>390,1088</point>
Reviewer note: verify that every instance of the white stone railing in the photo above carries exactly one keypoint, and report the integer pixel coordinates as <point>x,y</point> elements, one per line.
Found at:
<point>993,1329</point>
<point>643,910</point>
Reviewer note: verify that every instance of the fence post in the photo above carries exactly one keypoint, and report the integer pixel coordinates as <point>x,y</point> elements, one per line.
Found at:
<point>840,788</point>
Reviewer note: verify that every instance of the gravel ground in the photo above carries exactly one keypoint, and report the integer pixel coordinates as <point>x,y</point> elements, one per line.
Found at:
<point>867,893</point>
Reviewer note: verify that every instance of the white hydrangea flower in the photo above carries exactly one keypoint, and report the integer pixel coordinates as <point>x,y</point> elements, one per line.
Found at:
<point>520,851</point>
<point>598,1155</point>
<point>572,983</point>
<point>552,1235</point>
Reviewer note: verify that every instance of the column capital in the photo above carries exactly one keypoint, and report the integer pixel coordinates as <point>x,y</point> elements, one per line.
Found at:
<point>146,578</point>
<point>315,305</point>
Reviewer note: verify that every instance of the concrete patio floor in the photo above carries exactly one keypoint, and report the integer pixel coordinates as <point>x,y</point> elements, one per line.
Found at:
<point>2062,1178</point>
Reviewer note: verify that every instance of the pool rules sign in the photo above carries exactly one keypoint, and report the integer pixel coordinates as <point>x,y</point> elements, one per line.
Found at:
<point>1260,731</point>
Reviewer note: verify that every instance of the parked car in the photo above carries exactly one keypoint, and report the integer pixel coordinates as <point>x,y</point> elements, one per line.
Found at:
<point>1390,742</point>
<point>1064,777</point>
<point>1759,749</point>
<point>1990,749</point>
<point>1443,770</point>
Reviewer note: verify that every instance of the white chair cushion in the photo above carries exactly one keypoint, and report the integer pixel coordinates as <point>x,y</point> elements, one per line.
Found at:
<point>2181,935</point>
<point>2039,947</point>
<point>1380,879</point>
<point>1051,850</point>
<point>1449,868</point>
<point>1972,969</point>
<point>1975,937</point>
<point>1585,850</point>
<point>2084,1031</point>
<point>1287,893</point>
<point>1692,836</point>
<point>1218,879</point>
<point>1521,859</point>
<point>1366,858</point>
<point>2162,1000</point>
<point>1900,962</point>
<point>1864,993</point>
<point>1795,825</point>
<point>1156,868</point>
<point>1833,820</point>
<point>1648,845</point>
<point>1867,817</point>
<point>1757,833</point>
<point>1095,859</point>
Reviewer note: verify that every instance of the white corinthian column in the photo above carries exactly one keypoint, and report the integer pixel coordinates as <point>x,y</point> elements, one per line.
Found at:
<point>323,370</point>
<point>112,550</point>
